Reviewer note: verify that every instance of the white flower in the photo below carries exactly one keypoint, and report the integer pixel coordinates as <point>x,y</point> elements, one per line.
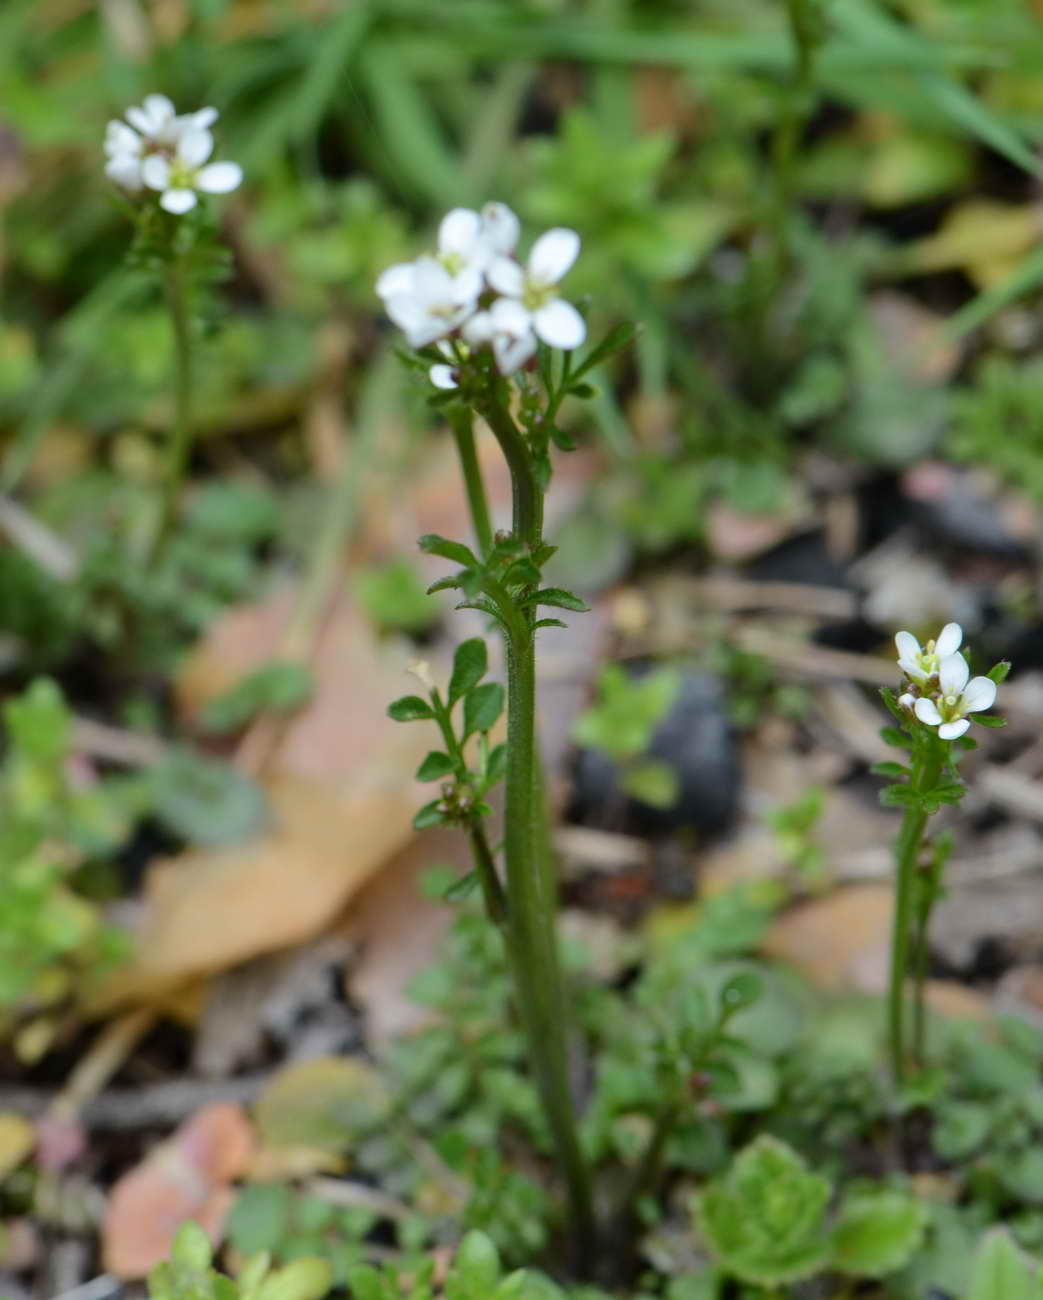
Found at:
<point>155,128</point>
<point>533,291</point>
<point>907,701</point>
<point>921,664</point>
<point>178,179</point>
<point>500,229</point>
<point>426,301</point>
<point>956,698</point>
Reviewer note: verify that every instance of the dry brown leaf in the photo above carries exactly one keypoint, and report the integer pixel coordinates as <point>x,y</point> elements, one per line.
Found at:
<point>841,941</point>
<point>187,1177</point>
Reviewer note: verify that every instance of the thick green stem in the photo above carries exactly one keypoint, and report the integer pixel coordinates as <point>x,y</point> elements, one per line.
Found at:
<point>180,446</point>
<point>462,424</point>
<point>920,956</point>
<point>925,777</point>
<point>531,888</point>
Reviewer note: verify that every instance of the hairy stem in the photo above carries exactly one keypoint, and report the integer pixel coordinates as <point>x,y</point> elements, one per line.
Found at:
<point>180,446</point>
<point>907,849</point>
<point>531,888</point>
<point>462,424</point>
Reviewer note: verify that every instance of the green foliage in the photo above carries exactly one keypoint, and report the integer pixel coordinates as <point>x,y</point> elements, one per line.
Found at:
<point>765,1222</point>
<point>277,687</point>
<point>52,828</point>
<point>876,1233</point>
<point>622,723</point>
<point>188,1275</point>
<point>394,598</point>
<point>1001,1272</point>
<point>205,800</point>
<point>998,421</point>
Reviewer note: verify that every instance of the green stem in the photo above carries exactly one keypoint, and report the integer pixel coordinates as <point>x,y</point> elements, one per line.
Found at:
<point>646,1174</point>
<point>462,425</point>
<point>180,446</point>
<point>492,891</point>
<point>920,990</point>
<point>531,889</point>
<point>907,848</point>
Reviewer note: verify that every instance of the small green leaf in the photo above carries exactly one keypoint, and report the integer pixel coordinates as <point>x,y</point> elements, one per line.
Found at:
<point>436,764</point>
<point>432,544</point>
<point>740,992</point>
<point>651,782</point>
<point>462,889</point>
<point>205,800</point>
<point>496,768</point>
<point>430,815</point>
<point>960,1128</point>
<point>876,1233</point>
<point>562,440</point>
<point>559,598</point>
<point>410,708</point>
<point>998,672</point>
<point>523,572</point>
<point>476,1268</point>
<point>989,720</point>
<point>1000,1271</point>
<point>308,1278</point>
<point>444,584</point>
<point>900,796</point>
<point>191,1248</point>
<point>470,664</point>
<point>482,707</point>
<point>548,622</point>
<point>892,736</point>
<point>583,391</point>
<point>614,341</point>
<point>896,771</point>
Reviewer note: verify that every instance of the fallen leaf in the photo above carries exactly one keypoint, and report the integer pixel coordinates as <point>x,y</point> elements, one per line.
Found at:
<point>187,1177</point>
<point>841,941</point>
<point>983,237</point>
<point>320,1106</point>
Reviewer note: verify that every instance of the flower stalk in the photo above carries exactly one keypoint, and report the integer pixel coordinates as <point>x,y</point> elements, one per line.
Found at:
<point>179,448</point>
<point>938,697</point>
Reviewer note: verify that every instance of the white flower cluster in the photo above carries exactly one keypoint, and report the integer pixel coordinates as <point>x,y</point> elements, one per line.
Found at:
<point>163,151</point>
<point>473,287</point>
<point>942,692</point>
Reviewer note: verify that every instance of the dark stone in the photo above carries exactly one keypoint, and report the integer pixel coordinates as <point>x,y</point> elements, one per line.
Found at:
<point>698,741</point>
<point>804,559</point>
<point>964,519</point>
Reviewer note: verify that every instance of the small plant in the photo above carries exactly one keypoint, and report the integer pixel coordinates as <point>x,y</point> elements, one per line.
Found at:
<point>53,936</point>
<point>766,1222</point>
<point>160,161</point>
<point>621,724</point>
<point>189,1273</point>
<point>496,340</point>
<point>933,710</point>
<point>794,826</point>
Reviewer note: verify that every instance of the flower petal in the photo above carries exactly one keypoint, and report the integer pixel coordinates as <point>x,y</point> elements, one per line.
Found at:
<point>508,316</point>
<point>952,674</point>
<point>443,376</point>
<point>927,711</point>
<point>560,324</point>
<point>178,201</point>
<point>949,639</point>
<point>553,254</point>
<point>479,329</point>
<point>506,276</point>
<point>219,177</point>
<point>159,108</point>
<point>907,645</point>
<point>979,694</point>
<point>459,232</point>
<point>155,172</point>
<point>203,118</point>
<point>912,669</point>
<point>194,147</point>
<point>121,139</point>
<point>512,352</point>
<point>432,283</point>
<point>907,701</point>
<point>125,171</point>
<point>953,730</point>
<point>139,118</point>
<point>396,279</point>
<point>500,228</point>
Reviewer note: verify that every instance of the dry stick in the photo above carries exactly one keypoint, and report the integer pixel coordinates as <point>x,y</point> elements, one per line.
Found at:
<point>105,1056</point>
